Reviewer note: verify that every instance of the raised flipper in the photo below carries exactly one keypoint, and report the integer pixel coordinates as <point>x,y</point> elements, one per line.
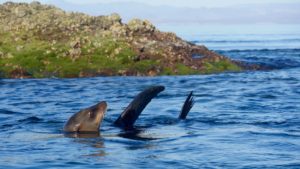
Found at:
<point>134,109</point>
<point>188,104</point>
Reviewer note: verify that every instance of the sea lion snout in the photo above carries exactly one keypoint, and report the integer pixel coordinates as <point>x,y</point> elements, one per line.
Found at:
<point>98,111</point>
<point>102,106</point>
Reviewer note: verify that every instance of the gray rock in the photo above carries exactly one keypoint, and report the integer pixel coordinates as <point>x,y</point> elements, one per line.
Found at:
<point>75,53</point>
<point>114,17</point>
<point>35,4</point>
<point>137,25</point>
<point>21,12</point>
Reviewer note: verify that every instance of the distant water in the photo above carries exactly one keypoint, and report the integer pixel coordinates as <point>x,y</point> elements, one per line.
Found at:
<point>240,120</point>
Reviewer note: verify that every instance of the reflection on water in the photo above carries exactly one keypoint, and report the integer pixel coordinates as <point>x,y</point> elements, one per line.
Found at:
<point>82,134</point>
<point>136,134</point>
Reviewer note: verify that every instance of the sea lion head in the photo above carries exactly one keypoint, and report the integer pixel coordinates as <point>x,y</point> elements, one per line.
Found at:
<point>87,120</point>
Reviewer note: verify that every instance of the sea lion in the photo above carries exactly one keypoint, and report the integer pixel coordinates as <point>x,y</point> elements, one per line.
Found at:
<point>187,106</point>
<point>128,117</point>
<point>87,120</point>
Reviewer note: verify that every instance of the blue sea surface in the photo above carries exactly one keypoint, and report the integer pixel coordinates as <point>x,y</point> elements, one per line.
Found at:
<point>239,120</point>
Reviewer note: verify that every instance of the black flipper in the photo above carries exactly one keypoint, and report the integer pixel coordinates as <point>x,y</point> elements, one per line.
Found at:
<point>188,104</point>
<point>134,109</point>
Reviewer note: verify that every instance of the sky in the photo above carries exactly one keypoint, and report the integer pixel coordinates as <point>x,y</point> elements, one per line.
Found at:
<point>178,3</point>
<point>191,3</point>
<point>189,11</point>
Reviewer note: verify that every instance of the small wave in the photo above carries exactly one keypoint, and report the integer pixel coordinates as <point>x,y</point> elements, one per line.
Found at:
<point>8,112</point>
<point>163,120</point>
<point>5,126</point>
<point>241,121</point>
<point>216,121</point>
<point>274,134</point>
<point>267,60</point>
<point>247,41</point>
<point>274,63</point>
<point>262,50</point>
<point>269,123</point>
<point>32,119</point>
<point>290,165</point>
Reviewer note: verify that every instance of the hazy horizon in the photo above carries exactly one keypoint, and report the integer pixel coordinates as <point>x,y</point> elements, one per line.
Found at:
<point>190,11</point>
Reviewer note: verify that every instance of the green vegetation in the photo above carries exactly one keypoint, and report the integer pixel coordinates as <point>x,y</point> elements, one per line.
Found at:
<point>101,56</point>
<point>185,70</point>
<point>42,59</point>
<point>220,66</point>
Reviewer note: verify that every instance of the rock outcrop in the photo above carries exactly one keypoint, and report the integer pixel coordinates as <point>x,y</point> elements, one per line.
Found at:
<point>44,41</point>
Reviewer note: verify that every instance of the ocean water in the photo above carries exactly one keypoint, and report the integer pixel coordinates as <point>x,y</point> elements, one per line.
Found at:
<point>239,120</point>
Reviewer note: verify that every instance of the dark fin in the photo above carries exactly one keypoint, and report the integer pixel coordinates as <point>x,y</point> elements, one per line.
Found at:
<point>134,109</point>
<point>188,104</point>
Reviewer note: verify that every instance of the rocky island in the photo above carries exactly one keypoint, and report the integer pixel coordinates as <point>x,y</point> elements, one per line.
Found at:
<point>38,41</point>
